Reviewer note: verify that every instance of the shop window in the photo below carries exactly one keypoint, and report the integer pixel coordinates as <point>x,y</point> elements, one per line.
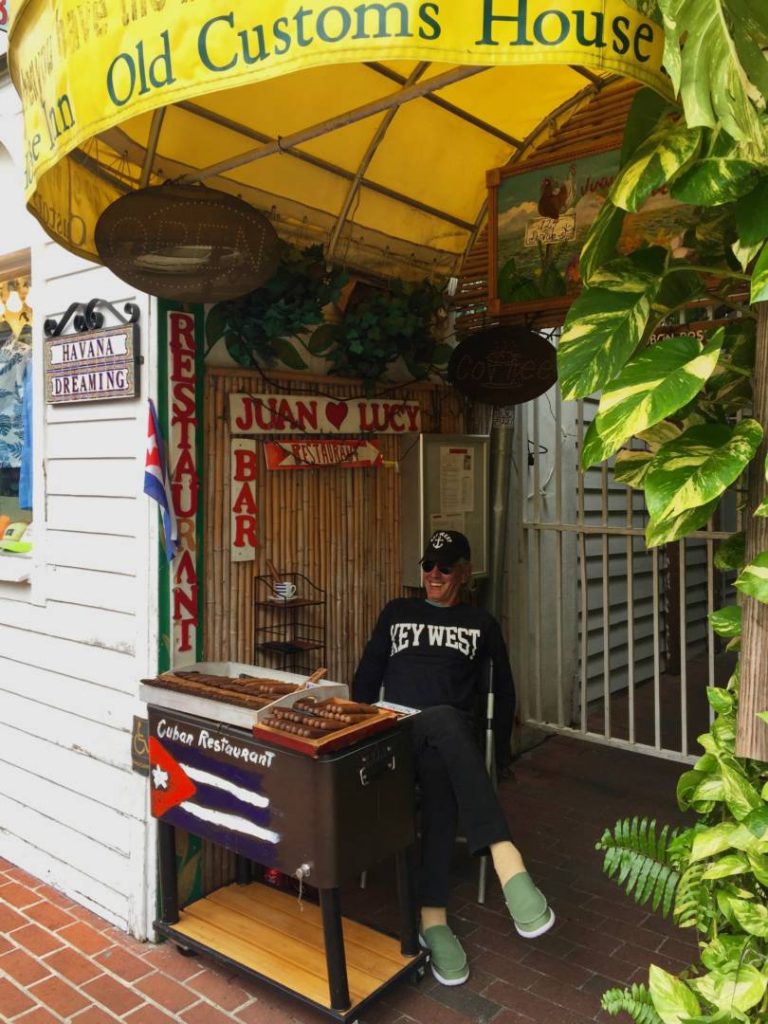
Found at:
<point>15,390</point>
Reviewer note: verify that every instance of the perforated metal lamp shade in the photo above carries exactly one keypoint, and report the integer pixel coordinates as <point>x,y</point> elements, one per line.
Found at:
<point>187,242</point>
<point>366,127</point>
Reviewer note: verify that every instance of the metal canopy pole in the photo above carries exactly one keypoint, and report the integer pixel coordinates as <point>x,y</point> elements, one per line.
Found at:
<point>502,439</point>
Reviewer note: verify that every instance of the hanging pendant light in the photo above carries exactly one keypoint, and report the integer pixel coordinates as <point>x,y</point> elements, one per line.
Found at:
<point>187,242</point>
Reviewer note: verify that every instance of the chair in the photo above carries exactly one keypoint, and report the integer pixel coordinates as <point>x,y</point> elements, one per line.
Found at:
<point>490,767</point>
<point>487,740</point>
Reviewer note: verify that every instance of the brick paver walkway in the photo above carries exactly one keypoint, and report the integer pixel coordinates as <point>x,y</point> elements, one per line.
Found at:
<point>59,962</point>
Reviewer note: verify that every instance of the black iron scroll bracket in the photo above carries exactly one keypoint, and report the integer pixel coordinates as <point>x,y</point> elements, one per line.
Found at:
<point>87,317</point>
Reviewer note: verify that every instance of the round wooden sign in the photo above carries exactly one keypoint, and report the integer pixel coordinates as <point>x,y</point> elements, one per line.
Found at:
<point>503,365</point>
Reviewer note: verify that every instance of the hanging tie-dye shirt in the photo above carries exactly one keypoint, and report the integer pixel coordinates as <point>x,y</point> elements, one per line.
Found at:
<point>14,356</point>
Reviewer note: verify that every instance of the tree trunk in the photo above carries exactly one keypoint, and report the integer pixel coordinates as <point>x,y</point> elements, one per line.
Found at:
<point>752,733</point>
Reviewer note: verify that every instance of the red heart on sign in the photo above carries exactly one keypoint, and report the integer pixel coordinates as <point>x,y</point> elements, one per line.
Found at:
<point>336,412</point>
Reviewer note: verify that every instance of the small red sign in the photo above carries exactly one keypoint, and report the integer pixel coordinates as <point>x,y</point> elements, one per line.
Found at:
<point>312,454</point>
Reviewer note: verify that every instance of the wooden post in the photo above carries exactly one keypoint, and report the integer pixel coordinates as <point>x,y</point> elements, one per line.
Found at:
<point>751,732</point>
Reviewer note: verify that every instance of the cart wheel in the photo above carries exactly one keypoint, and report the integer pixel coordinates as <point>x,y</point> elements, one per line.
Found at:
<point>418,975</point>
<point>185,950</point>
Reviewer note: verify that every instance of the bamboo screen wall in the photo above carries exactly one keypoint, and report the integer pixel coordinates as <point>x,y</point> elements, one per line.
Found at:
<point>340,527</point>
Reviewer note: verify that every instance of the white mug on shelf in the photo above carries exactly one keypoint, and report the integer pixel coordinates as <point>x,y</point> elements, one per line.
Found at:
<point>285,590</point>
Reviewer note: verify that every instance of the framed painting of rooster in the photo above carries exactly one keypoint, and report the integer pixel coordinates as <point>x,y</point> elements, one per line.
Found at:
<point>538,217</point>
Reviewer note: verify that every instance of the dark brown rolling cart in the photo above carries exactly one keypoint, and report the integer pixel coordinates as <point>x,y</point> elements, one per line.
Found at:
<point>322,818</point>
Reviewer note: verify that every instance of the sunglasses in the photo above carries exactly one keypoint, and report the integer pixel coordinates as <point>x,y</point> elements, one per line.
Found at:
<point>444,570</point>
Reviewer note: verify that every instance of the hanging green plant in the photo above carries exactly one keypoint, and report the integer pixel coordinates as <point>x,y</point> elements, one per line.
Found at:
<point>380,325</point>
<point>270,324</point>
<point>387,324</point>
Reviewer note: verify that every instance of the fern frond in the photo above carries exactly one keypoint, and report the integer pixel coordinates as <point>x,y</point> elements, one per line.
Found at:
<point>694,907</point>
<point>639,860</point>
<point>636,1001</point>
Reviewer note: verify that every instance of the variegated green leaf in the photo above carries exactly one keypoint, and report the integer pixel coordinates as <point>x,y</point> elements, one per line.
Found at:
<point>726,621</point>
<point>678,526</point>
<point>724,951</point>
<point>674,1002</point>
<point>731,864</point>
<point>731,552</point>
<point>753,578</point>
<point>753,917</point>
<point>601,332</point>
<point>699,466</point>
<point>712,841</point>
<point>709,790</point>
<point>762,508</point>
<point>651,387</point>
<point>630,467</point>
<point>701,59</point>
<point>678,288</point>
<point>740,796</point>
<point>600,244</point>
<point>722,173</point>
<point>759,865</point>
<point>720,700</point>
<point>750,38</point>
<point>639,272</point>
<point>752,214</point>
<point>644,114</point>
<point>745,253</point>
<point>736,989</point>
<point>662,156</point>
<point>729,389</point>
<point>659,434</point>
<point>759,286</point>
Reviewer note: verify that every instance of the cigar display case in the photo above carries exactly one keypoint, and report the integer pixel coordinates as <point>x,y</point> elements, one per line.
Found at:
<point>320,808</point>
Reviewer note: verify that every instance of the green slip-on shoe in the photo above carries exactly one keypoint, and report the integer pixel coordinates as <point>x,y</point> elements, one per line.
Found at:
<point>531,914</point>
<point>447,958</point>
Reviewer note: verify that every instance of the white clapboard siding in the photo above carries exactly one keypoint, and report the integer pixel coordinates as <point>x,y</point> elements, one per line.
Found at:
<point>114,555</point>
<point>102,439</point>
<point>68,693</point>
<point>88,587</point>
<point>104,866</point>
<point>98,478</point>
<point>101,783</point>
<point>74,811</point>
<point>119,517</point>
<point>104,743</point>
<point>76,640</point>
<point>39,648</point>
<point>93,627</point>
<point>52,866</point>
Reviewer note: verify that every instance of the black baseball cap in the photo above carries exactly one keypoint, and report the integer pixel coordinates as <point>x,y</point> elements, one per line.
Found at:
<point>446,547</point>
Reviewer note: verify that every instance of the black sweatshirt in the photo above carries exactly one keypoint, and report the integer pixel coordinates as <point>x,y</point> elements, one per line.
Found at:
<point>426,655</point>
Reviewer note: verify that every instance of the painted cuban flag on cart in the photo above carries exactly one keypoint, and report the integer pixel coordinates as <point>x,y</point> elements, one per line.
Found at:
<point>209,797</point>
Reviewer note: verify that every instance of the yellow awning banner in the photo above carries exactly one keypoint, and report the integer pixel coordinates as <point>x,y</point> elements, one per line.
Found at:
<point>370,123</point>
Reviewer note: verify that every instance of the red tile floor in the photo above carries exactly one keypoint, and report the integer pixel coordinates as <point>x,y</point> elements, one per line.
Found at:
<point>60,962</point>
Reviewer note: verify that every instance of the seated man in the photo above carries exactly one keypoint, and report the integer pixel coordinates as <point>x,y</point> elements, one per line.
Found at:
<point>428,655</point>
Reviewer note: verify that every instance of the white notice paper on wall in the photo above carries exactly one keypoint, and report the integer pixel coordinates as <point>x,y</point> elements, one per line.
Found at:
<point>457,480</point>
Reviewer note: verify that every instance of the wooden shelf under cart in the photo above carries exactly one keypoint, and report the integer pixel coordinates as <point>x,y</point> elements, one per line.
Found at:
<point>288,630</point>
<point>334,814</point>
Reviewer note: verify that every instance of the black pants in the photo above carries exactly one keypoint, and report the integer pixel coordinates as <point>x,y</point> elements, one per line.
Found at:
<point>455,789</point>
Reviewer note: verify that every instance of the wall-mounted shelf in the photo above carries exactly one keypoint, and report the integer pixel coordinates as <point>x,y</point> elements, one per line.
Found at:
<point>288,631</point>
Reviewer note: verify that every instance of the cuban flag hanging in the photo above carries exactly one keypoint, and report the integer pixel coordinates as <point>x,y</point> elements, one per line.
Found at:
<point>157,483</point>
